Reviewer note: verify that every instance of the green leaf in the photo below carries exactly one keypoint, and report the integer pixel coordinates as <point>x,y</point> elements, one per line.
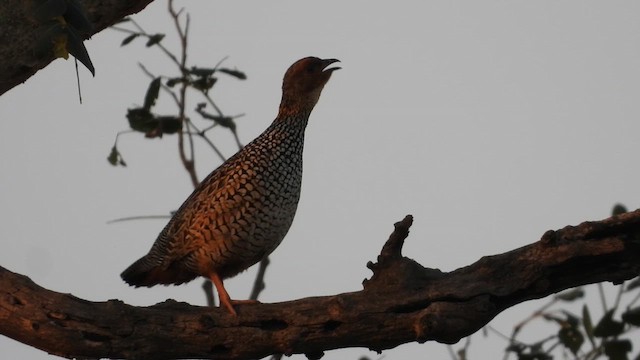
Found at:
<point>235,73</point>
<point>154,39</point>
<point>224,121</point>
<point>60,46</point>
<point>141,119</point>
<point>152,94</point>
<point>632,316</point>
<point>152,126</point>
<point>75,45</point>
<point>617,349</point>
<point>571,295</point>
<point>202,72</point>
<point>115,158</point>
<point>587,324</point>
<point>169,124</point>
<point>607,326</point>
<point>204,83</point>
<point>173,81</point>
<point>129,39</point>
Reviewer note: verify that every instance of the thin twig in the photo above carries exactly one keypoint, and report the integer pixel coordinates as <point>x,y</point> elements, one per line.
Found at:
<point>635,299</point>
<point>452,353</point>
<point>164,49</point>
<point>207,286</point>
<point>188,163</point>
<point>213,104</point>
<point>258,283</point>
<point>207,140</point>
<point>124,30</point>
<point>619,296</point>
<point>141,217</point>
<point>603,299</point>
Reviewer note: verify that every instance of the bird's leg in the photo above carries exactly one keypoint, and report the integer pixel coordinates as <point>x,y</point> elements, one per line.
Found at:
<point>223,295</point>
<point>225,300</point>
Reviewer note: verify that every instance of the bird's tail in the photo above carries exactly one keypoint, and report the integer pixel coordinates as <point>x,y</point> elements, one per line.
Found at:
<point>145,273</point>
<point>138,274</point>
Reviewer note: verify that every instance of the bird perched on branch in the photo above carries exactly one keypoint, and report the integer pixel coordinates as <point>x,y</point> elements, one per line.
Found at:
<point>241,212</point>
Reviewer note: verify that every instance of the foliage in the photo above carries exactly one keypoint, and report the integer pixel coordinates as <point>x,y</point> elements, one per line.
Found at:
<point>189,80</point>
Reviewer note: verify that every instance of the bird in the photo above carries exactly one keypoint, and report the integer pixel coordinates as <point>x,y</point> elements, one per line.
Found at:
<point>244,208</point>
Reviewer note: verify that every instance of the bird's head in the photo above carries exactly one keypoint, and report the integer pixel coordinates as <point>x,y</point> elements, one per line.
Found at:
<point>303,83</point>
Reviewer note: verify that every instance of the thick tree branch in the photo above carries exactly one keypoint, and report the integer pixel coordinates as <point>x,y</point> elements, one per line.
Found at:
<point>402,302</point>
<point>21,34</point>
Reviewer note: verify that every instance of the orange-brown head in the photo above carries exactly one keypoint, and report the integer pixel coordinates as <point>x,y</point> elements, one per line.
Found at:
<point>303,83</point>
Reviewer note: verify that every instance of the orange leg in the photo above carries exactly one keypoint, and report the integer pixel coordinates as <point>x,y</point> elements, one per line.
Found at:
<point>223,295</point>
<point>225,300</point>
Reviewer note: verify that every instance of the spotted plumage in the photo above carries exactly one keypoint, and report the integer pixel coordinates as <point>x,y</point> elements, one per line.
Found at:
<point>240,212</point>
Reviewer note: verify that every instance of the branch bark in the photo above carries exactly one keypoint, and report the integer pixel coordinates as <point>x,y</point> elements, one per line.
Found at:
<point>402,302</point>
<point>21,34</point>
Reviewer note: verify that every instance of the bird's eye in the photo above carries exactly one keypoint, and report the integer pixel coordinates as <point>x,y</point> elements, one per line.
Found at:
<point>311,68</point>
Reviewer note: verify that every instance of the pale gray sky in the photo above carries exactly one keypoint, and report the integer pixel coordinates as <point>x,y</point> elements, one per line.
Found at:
<point>491,122</point>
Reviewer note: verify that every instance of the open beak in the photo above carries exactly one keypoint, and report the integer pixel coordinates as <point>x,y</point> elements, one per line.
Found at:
<point>327,62</point>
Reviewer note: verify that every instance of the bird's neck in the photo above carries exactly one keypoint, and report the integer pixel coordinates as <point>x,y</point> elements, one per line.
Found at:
<point>291,122</point>
<point>293,105</point>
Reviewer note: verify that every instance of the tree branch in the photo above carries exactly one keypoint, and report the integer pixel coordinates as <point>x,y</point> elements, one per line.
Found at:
<point>21,34</point>
<point>402,302</point>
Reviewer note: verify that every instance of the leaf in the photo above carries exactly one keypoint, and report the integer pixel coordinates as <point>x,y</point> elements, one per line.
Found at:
<point>617,349</point>
<point>235,73</point>
<point>224,121</point>
<point>152,126</point>
<point>152,94</point>
<point>571,337</point>
<point>571,295</point>
<point>632,316</point>
<point>129,39</point>
<point>141,119</point>
<point>115,158</point>
<point>60,46</point>
<point>204,83</point>
<point>173,81</point>
<point>154,39</point>
<point>202,72</point>
<point>169,124</point>
<point>607,326</point>
<point>78,50</point>
<point>587,324</point>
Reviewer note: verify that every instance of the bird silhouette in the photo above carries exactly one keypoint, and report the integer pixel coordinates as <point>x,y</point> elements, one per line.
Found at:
<point>241,211</point>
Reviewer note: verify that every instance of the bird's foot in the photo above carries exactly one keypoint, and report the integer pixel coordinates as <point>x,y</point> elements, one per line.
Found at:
<point>229,303</point>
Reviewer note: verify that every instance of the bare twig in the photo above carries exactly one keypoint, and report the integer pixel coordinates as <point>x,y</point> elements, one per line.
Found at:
<point>187,162</point>
<point>141,217</point>
<point>159,45</point>
<point>258,283</point>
